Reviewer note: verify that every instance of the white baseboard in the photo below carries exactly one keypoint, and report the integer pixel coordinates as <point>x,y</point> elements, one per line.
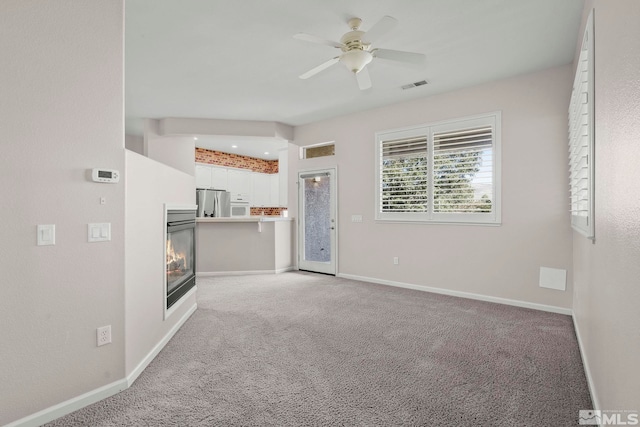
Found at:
<point>461,294</point>
<point>241,273</point>
<point>68,406</point>
<point>135,373</point>
<point>93,396</point>
<point>585,363</point>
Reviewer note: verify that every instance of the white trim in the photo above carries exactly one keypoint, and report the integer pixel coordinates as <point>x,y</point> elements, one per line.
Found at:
<point>178,303</point>
<point>179,207</point>
<point>461,294</point>
<point>135,373</point>
<point>427,130</point>
<point>61,409</point>
<point>284,270</point>
<point>331,171</point>
<point>169,206</point>
<point>68,406</point>
<point>303,148</point>
<point>420,222</point>
<point>242,273</point>
<point>585,363</point>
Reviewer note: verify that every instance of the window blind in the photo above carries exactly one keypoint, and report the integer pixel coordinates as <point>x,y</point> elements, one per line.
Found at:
<point>581,149</point>
<point>463,171</point>
<point>443,172</point>
<point>404,167</point>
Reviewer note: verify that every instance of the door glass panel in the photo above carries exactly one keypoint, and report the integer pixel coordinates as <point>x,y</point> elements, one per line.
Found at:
<point>317,219</point>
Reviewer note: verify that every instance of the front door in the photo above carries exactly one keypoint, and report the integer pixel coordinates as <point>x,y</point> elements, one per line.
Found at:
<point>318,226</point>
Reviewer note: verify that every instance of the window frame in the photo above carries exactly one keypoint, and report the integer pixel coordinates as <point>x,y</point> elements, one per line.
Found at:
<point>428,130</point>
<point>582,194</point>
<point>303,150</point>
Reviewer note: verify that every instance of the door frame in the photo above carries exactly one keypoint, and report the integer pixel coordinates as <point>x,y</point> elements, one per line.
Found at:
<point>333,173</point>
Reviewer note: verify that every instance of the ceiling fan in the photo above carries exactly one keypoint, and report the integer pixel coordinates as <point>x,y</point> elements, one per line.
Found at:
<point>357,51</point>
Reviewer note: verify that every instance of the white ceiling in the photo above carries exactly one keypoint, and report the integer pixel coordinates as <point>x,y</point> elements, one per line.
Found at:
<point>238,60</point>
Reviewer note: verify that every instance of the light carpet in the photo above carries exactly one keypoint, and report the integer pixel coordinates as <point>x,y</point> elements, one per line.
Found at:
<point>299,349</point>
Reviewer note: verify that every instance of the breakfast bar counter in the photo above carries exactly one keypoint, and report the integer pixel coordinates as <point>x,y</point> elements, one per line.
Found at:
<point>245,219</point>
<point>244,245</point>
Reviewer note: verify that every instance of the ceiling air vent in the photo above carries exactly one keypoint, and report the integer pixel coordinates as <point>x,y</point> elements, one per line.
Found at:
<point>415,84</point>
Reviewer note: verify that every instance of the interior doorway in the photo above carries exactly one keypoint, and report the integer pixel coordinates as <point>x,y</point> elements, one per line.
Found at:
<point>318,224</point>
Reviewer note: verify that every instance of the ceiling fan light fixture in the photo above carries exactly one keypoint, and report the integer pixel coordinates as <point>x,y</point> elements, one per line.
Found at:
<point>356,60</point>
<point>357,50</point>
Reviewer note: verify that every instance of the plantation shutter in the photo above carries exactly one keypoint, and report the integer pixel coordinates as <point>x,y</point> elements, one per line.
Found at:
<point>463,171</point>
<point>581,139</point>
<point>403,178</point>
<point>446,172</point>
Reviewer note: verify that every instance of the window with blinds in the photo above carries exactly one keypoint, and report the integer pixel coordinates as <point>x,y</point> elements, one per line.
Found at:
<point>404,175</point>
<point>581,147</point>
<point>462,170</point>
<point>443,172</point>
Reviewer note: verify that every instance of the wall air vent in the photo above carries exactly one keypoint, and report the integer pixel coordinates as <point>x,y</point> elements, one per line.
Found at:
<point>416,84</point>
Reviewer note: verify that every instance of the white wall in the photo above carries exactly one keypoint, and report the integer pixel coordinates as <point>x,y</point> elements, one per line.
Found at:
<point>495,261</point>
<point>149,185</point>
<point>134,143</point>
<point>607,272</point>
<point>283,176</point>
<point>243,246</point>
<point>283,245</point>
<point>61,114</point>
<point>175,151</point>
<point>173,126</point>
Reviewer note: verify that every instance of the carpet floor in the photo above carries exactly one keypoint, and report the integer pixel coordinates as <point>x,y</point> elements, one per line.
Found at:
<point>302,349</point>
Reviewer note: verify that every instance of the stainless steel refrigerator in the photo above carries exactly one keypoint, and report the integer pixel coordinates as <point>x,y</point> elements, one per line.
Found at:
<point>213,203</point>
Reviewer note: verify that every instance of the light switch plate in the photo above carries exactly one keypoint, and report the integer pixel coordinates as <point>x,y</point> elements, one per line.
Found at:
<point>99,232</point>
<point>356,218</point>
<point>46,234</point>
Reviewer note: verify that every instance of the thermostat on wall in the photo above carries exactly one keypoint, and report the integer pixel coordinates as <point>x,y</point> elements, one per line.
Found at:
<point>105,175</point>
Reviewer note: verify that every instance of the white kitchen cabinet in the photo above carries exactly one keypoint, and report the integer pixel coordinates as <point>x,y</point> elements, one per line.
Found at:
<point>274,180</point>
<point>239,182</point>
<point>219,179</point>
<point>260,189</point>
<point>203,176</point>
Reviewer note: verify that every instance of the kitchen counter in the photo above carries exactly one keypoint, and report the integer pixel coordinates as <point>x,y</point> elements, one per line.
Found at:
<point>244,245</point>
<point>245,219</point>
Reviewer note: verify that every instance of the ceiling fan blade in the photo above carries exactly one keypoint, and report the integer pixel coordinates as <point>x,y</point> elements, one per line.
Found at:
<point>316,39</point>
<point>363,78</point>
<point>382,27</point>
<point>398,55</point>
<point>319,68</point>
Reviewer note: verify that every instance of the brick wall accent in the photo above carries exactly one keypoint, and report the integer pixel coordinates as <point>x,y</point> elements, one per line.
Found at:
<point>236,161</point>
<point>267,211</point>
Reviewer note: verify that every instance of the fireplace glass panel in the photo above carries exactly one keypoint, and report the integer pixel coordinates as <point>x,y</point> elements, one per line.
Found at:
<point>179,257</point>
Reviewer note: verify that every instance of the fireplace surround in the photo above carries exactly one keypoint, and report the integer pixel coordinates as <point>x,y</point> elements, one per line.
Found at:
<point>180,254</point>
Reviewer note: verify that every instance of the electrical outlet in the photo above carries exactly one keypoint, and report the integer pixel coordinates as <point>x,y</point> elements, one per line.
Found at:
<point>104,335</point>
<point>396,261</point>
